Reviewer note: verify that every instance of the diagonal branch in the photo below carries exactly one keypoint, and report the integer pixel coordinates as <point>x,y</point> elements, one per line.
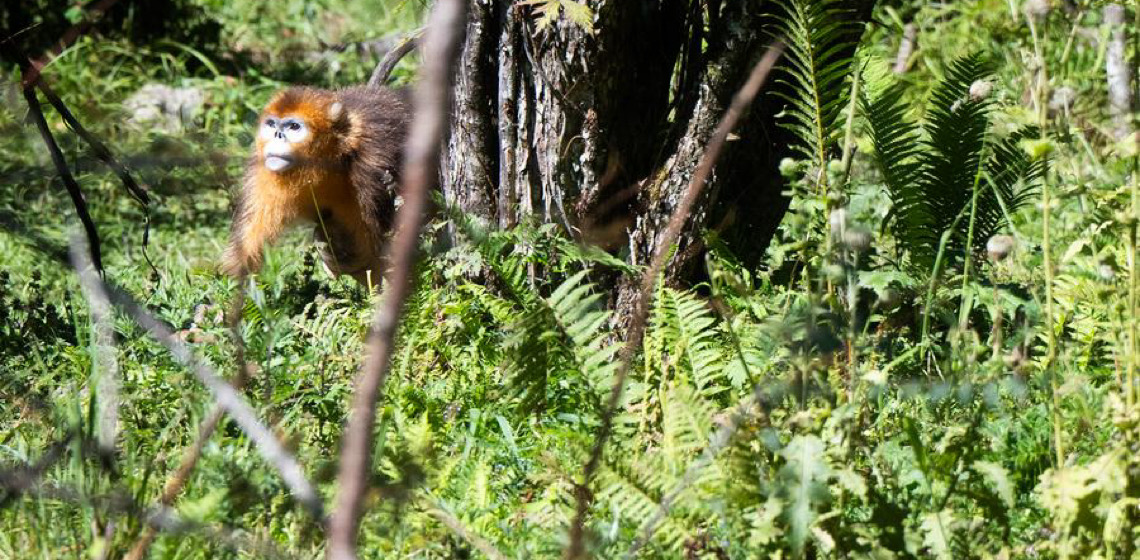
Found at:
<point>138,192</point>
<point>69,182</point>
<point>224,394</point>
<point>736,110</point>
<point>206,429</point>
<point>421,175</point>
<point>31,79</point>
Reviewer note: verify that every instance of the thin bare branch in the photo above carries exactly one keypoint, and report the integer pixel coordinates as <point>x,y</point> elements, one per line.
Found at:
<point>31,79</point>
<point>105,359</point>
<point>225,396</point>
<point>103,154</point>
<point>906,48</point>
<point>636,333</point>
<point>177,481</point>
<point>383,71</point>
<point>69,182</point>
<point>98,148</point>
<point>421,175</point>
<point>206,429</point>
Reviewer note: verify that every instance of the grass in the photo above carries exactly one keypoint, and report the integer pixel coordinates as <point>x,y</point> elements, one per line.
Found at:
<point>944,451</point>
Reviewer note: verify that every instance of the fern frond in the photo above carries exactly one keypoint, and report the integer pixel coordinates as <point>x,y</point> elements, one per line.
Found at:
<point>686,425</point>
<point>895,138</point>
<point>955,146</point>
<point>932,177</point>
<point>563,335</point>
<point>633,493</point>
<point>1013,178</point>
<point>577,312</point>
<point>683,335</point>
<point>698,339</point>
<point>821,38</point>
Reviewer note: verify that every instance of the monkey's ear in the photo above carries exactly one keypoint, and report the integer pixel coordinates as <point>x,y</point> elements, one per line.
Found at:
<point>336,111</point>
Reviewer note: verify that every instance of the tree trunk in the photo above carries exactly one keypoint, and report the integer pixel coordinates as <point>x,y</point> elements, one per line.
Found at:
<point>1118,71</point>
<point>600,130</point>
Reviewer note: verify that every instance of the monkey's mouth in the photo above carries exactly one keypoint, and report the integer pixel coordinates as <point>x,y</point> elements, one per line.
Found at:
<point>278,162</point>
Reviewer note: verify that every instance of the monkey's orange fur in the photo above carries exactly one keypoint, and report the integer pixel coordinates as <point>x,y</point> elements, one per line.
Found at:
<point>335,183</point>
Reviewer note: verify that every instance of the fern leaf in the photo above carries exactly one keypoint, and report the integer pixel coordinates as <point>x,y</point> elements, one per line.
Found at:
<point>932,177</point>
<point>821,38</point>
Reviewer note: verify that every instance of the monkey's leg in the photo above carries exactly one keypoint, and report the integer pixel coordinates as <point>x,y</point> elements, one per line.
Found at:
<point>344,253</point>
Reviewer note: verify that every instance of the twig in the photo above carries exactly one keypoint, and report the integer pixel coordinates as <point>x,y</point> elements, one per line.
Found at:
<point>97,146</point>
<point>383,71</point>
<point>229,399</point>
<point>906,48</point>
<point>206,429</point>
<point>740,103</point>
<point>31,78</point>
<point>226,397</point>
<point>60,163</point>
<point>177,481</point>
<point>107,386</point>
<point>103,154</point>
<point>421,175</point>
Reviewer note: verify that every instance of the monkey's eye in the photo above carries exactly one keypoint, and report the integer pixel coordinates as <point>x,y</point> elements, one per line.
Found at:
<point>271,123</point>
<point>294,130</point>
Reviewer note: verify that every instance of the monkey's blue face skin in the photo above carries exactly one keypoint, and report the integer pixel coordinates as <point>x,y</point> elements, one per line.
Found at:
<point>283,136</point>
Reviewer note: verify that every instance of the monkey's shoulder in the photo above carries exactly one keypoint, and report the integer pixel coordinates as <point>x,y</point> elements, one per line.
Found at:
<point>378,126</point>
<point>379,108</point>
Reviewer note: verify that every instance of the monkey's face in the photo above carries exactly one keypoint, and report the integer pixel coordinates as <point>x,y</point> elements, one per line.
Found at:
<point>284,137</point>
<point>297,130</point>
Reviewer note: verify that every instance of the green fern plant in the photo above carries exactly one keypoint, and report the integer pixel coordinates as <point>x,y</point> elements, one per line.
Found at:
<point>566,328</point>
<point>948,177</point>
<point>821,38</point>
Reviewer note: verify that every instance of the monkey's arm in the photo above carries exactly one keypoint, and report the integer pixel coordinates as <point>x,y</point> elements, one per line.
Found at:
<point>255,223</point>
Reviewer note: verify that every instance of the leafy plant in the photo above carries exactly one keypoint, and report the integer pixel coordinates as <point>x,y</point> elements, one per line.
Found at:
<point>821,41</point>
<point>952,185</point>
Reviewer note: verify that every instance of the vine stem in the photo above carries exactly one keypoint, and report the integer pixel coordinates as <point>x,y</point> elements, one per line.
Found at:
<point>1133,277</point>
<point>1133,290</point>
<point>1046,215</point>
<point>963,310</point>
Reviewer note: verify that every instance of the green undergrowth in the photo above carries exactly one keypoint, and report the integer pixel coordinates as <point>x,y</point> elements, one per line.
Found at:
<point>886,386</point>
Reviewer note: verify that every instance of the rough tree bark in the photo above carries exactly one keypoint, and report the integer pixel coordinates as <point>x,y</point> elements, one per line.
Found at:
<point>600,130</point>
